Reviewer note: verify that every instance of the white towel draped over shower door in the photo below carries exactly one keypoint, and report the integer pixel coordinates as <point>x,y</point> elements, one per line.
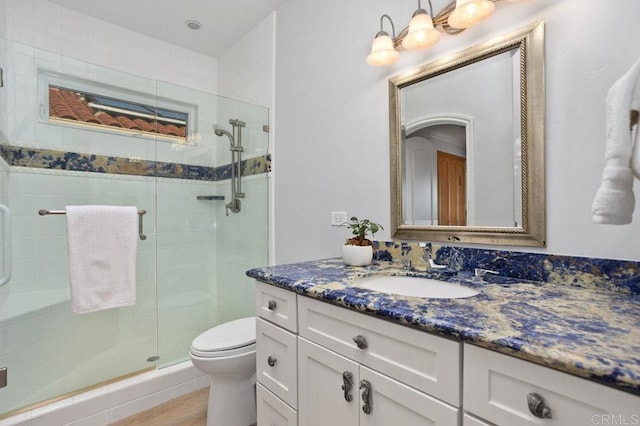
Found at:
<point>102,242</point>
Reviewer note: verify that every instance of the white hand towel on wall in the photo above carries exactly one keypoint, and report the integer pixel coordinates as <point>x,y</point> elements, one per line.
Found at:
<point>102,256</point>
<point>614,201</point>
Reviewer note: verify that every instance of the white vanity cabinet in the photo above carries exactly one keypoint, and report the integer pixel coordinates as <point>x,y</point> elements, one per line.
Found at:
<point>320,364</point>
<point>354,369</point>
<point>509,391</point>
<point>276,356</point>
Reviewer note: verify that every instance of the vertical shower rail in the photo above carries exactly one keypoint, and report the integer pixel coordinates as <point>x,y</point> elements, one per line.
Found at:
<point>235,145</point>
<point>6,245</point>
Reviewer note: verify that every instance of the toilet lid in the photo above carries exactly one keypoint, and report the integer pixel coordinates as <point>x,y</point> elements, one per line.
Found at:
<point>227,336</point>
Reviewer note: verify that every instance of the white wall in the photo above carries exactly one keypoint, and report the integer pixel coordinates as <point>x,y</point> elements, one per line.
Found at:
<point>332,116</point>
<point>49,26</point>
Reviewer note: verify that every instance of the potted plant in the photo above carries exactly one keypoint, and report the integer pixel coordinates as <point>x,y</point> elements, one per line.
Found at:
<point>358,250</point>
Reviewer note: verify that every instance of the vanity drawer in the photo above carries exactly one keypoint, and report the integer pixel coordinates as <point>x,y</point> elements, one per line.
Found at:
<point>277,305</point>
<point>272,411</point>
<point>469,420</point>
<point>276,361</point>
<point>496,387</point>
<point>416,358</point>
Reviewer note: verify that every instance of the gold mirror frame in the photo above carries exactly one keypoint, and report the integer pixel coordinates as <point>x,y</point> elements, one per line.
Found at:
<point>530,42</point>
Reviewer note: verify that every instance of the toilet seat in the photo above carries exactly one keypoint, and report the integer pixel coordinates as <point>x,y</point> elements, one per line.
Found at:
<point>228,339</point>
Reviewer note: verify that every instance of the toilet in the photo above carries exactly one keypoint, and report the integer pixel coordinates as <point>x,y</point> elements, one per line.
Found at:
<point>227,354</point>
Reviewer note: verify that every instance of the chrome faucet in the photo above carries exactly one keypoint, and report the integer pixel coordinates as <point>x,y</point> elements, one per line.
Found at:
<point>427,256</point>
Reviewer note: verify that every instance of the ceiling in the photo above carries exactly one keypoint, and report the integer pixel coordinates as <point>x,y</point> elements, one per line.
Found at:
<point>223,21</point>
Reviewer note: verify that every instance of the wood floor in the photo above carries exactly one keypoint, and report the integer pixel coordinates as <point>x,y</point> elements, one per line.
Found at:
<point>187,410</point>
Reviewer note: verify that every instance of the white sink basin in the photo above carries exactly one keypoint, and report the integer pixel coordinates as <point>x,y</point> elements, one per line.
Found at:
<point>415,287</point>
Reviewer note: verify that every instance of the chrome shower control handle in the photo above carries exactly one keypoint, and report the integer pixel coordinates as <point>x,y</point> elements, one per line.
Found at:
<point>360,342</point>
<point>537,406</point>
<point>271,305</point>
<point>271,361</point>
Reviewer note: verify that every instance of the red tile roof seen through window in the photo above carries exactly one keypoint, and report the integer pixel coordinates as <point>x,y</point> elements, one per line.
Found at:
<point>70,105</point>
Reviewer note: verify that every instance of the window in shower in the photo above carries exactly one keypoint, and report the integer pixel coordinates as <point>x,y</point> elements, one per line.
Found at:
<point>100,107</point>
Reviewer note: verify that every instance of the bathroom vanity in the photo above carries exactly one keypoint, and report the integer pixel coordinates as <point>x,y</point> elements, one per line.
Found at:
<point>368,358</point>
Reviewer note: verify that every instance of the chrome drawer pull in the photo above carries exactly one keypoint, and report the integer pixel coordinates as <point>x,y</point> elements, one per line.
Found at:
<point>366,396</point>
<point>361,342</point>
<point>347,379</point>
<point>272,305</point>
<point>271,361</point>
<point>537,406</point>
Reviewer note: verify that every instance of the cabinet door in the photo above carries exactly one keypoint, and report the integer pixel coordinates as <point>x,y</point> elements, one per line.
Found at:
<point>393,403</point>
<point>322,400</point>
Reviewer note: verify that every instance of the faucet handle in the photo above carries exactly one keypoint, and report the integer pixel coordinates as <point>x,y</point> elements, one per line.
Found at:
<point>479,272</point>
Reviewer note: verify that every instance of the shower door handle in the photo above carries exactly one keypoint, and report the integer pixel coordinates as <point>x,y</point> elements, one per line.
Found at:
<point>6,245</point>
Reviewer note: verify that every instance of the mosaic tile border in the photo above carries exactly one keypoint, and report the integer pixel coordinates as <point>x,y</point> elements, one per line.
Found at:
<point>607,274</point>
<point>17,156</point>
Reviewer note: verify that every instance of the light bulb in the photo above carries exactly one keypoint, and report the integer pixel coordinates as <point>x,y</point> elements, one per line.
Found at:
<point>382,51</point>
<point>470,12</point>
<point>421,33</point>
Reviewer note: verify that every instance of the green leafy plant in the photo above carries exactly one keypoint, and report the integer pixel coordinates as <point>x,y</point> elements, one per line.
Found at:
<point>360,228</point>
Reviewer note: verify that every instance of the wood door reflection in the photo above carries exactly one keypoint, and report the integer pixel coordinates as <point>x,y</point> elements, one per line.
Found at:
<point>451,190</point>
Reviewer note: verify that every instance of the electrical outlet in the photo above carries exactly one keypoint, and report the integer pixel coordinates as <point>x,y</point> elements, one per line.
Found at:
<point>338,218</point>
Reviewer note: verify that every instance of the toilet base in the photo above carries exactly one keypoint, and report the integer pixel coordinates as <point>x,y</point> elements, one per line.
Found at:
<point>232,401</point>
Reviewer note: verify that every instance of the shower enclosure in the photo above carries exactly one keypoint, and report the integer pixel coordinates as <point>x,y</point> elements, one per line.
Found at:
<point>190,268</point>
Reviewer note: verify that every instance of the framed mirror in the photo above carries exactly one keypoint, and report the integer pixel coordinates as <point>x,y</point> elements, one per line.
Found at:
<point>467,145</point>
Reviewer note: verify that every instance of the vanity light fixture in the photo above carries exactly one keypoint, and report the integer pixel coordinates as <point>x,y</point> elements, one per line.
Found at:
<point>421,32</point>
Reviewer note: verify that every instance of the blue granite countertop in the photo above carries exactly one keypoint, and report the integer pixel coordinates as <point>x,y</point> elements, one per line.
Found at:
<point>591,333</point>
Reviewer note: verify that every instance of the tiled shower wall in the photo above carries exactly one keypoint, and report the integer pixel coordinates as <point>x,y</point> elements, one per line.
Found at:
<point>35,311</point>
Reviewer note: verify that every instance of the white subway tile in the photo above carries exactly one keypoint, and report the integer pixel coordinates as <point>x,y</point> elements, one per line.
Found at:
<point>153,400</point>
<point>23,419</point>
<point>54,414</point>
<point>98,419</point>
<point>124,410</point>
<point>181,389</point>
<point>202,382</point>
<point>91,402</point>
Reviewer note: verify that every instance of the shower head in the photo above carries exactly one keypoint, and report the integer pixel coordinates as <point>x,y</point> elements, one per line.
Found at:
<point>222,132</point>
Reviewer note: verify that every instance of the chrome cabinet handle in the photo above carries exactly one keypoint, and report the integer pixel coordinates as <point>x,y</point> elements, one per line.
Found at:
<point>366,396</point>
<point>271,361</point>
<point>361,342</point>
<point>347,379</point>
<point>272,305</point>
<point>537,406</point>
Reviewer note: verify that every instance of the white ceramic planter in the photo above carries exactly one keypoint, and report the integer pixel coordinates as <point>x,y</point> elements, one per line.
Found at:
<point>357,255</point>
